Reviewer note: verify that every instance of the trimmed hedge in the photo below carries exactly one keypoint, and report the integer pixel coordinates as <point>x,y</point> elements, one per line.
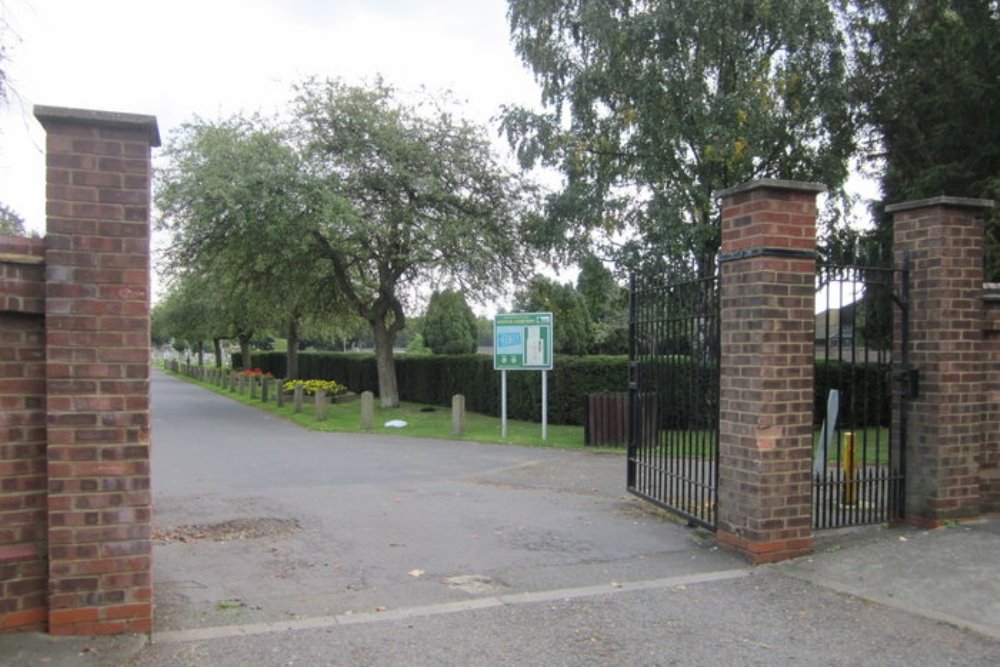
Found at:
<point>865,392</point>
<point>865,389</point>
<point>433,379</point>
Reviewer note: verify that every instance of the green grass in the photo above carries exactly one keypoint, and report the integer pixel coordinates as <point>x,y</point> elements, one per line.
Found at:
<point>346,418</point>
<point>871,443</point>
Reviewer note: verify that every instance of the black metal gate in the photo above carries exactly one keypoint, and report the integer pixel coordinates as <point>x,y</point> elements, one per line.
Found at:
<point>673,449</point>
<point>863,381</point>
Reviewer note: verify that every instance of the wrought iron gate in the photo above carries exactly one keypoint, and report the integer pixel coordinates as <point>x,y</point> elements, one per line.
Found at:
<point>863,381</point>
<point>673,449</point>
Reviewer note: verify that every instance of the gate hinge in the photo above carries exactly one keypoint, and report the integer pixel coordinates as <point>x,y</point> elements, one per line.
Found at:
<point>909,381</point>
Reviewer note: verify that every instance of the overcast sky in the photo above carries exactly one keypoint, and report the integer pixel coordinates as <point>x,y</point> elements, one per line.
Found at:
<point>211,58</point>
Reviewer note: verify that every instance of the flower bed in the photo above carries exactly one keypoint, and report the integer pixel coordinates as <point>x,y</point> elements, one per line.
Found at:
<point>310,387</point>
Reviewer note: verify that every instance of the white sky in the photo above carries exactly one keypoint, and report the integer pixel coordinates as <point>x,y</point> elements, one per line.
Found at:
<point>212,58</point>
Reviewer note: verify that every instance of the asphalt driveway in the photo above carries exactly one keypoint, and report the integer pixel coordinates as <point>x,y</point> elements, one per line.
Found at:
<point>278,546</point>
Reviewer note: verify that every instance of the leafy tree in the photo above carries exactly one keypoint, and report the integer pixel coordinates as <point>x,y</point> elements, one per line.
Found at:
<point>653,106</point>
<point>234,195</point>
<point>450,324</point>
<point>484,327</point>
<point>413,194</point>
<point>10,222</point>
<point>417,345</point>
<point>607,304</point>
<point>925,81</point>
<point>188,314</point>
<point>571,330</point>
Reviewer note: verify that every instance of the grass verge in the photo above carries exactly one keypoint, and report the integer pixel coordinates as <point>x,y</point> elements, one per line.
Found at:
<point>422,421</point>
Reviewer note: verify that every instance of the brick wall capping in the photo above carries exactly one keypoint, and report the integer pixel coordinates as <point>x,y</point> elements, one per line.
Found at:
<point>15,258</point>
<point>130,121</point>
<point>954,202</point>
<point>770,183</point>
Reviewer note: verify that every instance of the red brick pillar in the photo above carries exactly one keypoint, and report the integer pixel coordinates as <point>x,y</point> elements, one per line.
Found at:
<point>944,237</point>
<point>97,351</point>
<point>768,261</point>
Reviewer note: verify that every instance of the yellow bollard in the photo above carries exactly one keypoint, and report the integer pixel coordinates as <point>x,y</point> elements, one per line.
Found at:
<point>849,465</point>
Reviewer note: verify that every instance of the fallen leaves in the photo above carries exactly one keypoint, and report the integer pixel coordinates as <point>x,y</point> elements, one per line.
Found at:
<point>226,531</point>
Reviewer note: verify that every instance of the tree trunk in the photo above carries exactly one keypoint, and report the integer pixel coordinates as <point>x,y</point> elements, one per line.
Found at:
<point>292,355</point>
<point>201,354</point>
<point>245,350</point>
<point>388,392</point>
<point>217,343</point>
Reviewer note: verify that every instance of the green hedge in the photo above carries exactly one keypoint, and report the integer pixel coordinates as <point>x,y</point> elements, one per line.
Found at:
<point>865,392</point>
<point>433,379</point>
<point>865,389</point>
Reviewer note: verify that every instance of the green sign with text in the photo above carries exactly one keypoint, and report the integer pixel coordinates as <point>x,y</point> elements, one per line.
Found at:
<point>522,342</point>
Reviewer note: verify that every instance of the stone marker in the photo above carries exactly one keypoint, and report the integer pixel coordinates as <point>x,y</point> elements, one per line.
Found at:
<point>458,414</point>
<point>367,410</point>
<point>297,399</point>
<point>321,405</point>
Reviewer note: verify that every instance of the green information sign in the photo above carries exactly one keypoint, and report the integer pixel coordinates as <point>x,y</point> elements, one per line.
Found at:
<point>522,342</point>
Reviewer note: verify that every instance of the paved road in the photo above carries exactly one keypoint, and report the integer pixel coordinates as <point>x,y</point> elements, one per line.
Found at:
<point>283,547</point>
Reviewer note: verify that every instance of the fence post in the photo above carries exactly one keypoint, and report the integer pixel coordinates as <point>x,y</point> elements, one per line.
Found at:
<point>297,399</point>
<point>264,385</point>
<point>367,410</point>
<point>768,262</point>
<point>944,237</point>
<point>279,392</point>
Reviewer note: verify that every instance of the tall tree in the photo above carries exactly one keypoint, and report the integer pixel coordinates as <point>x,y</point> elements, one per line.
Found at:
<point>607,304</point>
<point>450,324</point>
<point>925,80</point>
<point>572,329</point>
<point>189,313</point>
<point>236,200</point>
<point>652,106</point>
<point>417,195</point>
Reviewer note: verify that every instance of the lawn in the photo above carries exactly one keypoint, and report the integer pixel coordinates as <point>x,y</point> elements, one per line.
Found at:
<point>422,421</point>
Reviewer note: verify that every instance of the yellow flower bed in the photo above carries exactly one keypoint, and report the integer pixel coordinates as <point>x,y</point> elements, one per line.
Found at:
<point>310,387</point>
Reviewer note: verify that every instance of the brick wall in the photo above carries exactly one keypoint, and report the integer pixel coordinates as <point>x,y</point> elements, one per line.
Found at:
<point>23,520</point>
<point>77,555</point>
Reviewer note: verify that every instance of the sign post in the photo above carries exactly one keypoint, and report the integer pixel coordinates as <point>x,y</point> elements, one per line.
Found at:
<point>522,342</point>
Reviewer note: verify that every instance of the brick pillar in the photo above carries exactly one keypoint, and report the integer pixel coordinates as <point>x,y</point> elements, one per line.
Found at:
<point>97,350</point>
<point>768,261</point>
<point>944,237</point>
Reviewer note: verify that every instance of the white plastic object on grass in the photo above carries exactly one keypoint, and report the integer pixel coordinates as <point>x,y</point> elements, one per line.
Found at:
<point>395,423</point>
